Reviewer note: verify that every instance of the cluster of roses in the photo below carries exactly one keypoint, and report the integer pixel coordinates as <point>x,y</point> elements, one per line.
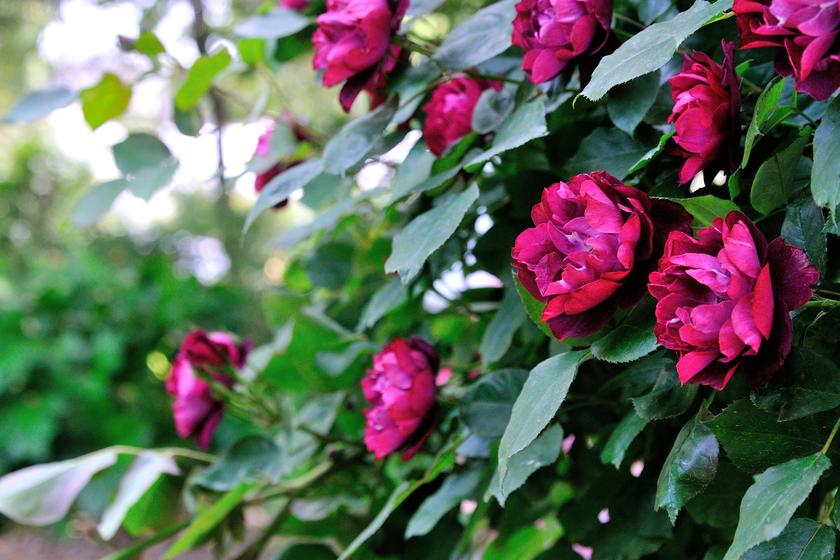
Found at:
<point>724,302</point>
<point>723,296</point>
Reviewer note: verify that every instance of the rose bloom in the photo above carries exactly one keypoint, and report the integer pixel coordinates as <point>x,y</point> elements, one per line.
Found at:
<point>594,242</point>
<point>401,388</point>
<point>707,100</point>
<point>263,150</point>
<point>554,32</point>
<point>808,32</point>
<point>196,411</point>
<point>298,5</point>
<point>724,300</point>
<point>353,45</point>
<point>449,112</point>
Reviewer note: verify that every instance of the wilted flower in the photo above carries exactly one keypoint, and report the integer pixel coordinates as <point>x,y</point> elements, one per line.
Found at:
<point>724,301</point>
<point>401,388</point>
<point>808,32</point>
<point>594,242</point>
<point>554,32</point>
<point>705,115</point>
<point>353,45</point>
<point>196,411</point>
<point>449,112</point>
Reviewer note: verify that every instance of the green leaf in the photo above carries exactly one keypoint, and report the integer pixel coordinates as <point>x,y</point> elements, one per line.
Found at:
<point>491,110</point>
<point>428,231</point>
<point>802,539</point>
<point>357,138</point>
<point>825,174</point>
<point>485,407</point>
<point>415,169</point>
<point>621,438</point>
<point>208,519</point>
<point>541,452</point>
<point>251,459</point>
<point>629,103</point>
<point>481,37</point>
<point>200,78</point>
<point>717,505</point>
<point>39,103</point>
<point>138,151</point>
<point>689,468</point>
<point>42,494</point>
<point>771,501</point>
<point>704,209</point>
<point>278,22</point>
<point>148,43</point>
<point>765,105</point>
<point>541,397</point>
<point>106,100</point>
<point>605,148</point>
<point>754,440</point>
<point>807,384</point>
<point>330,265</point>
<point>527,542</point>
<point>422,7</point>
<point>773,181</point>
<point>455,488</point>
<point>523,125</point>
<point>667,398</point>
<point>651,154</point>
<point>498,335</point>
<point>282,186</point>
<point>649,10</point>
<point>149,180</point>
<point>533,307</point>
<point>803,227</point>
<point>384,300</point>
<point>96,202</point>
<point>629,341</point>
<point>143,473</point>
<point>442,462</point>
<point>650,49</point>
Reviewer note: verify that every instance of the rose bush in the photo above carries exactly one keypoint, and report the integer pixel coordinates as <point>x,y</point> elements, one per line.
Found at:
<point>454,361</point>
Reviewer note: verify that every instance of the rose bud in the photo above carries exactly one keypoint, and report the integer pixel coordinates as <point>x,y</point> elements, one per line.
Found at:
<point>353,45</point>
<point>449,112</point>
<point>196,411</point>
<point>401,388</point>
<point>263,150</point>
<point>707,100</point>
<point>298,5</point>
<point>724,301</point>
<point>807,31</point>
<point>555,32</point>
<point>594,242</point>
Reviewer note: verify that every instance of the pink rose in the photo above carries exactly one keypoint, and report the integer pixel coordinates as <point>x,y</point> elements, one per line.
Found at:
<point>554,32</point>
<point>724,301</point>
<point>353,45</point>
<point>449,111</point>
<point>808,32</point>
<point>594,242</point>
<point>401,388</point>
<point>298,5</point>
<point>196,411</point>
<point>705,116</point>
<point>263,149</point>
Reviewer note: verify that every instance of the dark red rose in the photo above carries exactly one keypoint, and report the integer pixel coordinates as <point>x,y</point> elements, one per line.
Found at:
<point>353,45</point>
<point>401,388</point>
<point>263,150</point>
<point>449,111</point>
<point>594,242</point>
<point>724,301</point>
<point>196,411</point>
<point>808,32</point>
<point>707,100</point>
<point>298,5</point>
<point>554,32</point>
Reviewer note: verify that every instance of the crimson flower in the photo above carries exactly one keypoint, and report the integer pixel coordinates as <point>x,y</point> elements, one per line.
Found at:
<point>724,300</point>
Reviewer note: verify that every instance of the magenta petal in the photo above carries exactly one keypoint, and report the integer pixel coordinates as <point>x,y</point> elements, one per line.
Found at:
<point>793,274</point>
